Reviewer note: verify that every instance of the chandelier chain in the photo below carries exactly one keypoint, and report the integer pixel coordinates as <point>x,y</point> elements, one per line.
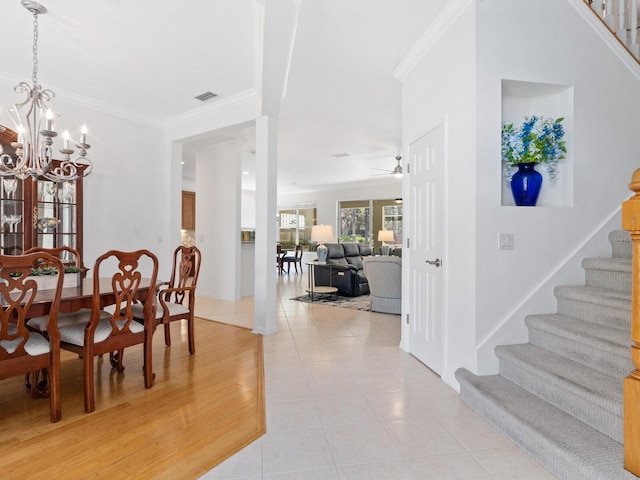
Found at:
<point>35,49</point>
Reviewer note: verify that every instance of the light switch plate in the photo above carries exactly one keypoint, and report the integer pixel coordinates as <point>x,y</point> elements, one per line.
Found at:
<point>506,241</point>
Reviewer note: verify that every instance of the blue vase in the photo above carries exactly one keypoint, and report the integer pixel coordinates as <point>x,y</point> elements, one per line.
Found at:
<point>526,184</point>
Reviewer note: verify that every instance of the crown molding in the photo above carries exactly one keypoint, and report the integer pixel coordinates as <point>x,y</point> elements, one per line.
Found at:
<point>447,17</point>
<point>219,106</point>
<point>90,103</point>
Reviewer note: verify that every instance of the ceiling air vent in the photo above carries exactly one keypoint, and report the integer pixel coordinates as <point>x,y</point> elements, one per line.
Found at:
<point>206,96</point>
<point>340,155</point>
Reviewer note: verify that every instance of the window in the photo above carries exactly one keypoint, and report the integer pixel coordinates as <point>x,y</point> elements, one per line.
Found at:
<point>294,224</point>
<point>355,222</point>
<point>361,220</point>
<point>392,220</point>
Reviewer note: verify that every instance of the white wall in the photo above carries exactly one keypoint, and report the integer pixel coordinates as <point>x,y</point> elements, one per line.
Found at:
<point>490,291</point>
<point>604,145</point>
<point>248,214</point>
<point>218,221</point>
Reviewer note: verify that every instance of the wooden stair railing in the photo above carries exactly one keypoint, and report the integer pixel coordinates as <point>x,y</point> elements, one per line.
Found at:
<point>631,223</point>
<point>621,17</point>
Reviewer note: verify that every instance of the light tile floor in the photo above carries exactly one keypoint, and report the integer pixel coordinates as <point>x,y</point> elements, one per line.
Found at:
<point>344,402</point>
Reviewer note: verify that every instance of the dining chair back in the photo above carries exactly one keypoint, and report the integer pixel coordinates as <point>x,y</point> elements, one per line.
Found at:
<point>279,254</point>
<point>177,296</point>
<point>68,256</point>
<point>21,349</point>
<point>111,332</point>
<point>296,260</point>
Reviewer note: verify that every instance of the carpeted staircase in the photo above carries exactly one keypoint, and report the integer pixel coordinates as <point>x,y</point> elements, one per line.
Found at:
<point>559,397</point>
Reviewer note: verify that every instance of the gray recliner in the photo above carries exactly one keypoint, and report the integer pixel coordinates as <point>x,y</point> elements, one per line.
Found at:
<point>384,275</point>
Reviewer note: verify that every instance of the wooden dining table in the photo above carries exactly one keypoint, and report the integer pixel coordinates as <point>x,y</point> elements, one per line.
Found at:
<point>81,296</point>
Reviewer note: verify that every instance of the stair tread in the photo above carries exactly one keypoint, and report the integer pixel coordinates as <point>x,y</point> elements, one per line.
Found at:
<point>572,441</point>
<point>605,296</point>
<point>602,389</point>
<point>619,264</point>
<point>580,330</point>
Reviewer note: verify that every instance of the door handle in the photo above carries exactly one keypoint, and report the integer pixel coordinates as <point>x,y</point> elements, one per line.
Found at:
<point>435,262</point>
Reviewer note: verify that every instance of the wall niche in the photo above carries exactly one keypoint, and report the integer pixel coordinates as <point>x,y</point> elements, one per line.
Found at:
<point>525,99</point>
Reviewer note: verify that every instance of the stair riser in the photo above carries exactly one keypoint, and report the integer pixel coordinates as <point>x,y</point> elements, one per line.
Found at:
<point>605,361</point>
<point>621,246</point>
<point>555,460</point>
<point>595,313</point>
<point>608,422</point>
<point>614,280</point>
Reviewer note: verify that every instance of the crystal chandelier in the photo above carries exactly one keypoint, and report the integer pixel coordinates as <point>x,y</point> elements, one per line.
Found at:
<point>35,125</point>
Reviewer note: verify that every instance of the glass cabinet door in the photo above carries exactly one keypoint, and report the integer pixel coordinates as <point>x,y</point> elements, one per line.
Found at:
<point>37,212</point>
<point>12,210</point>
<point>55,214</point>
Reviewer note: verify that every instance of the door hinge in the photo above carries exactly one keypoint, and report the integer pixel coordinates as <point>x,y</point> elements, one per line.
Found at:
<point>408,243</point>
<point>407,319</point>
<point>408,168</point>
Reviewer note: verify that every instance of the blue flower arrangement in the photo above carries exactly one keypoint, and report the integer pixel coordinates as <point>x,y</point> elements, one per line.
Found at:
<point>538,140</point>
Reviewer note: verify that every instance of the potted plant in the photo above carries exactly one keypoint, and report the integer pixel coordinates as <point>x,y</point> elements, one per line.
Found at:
<point>537,140</point>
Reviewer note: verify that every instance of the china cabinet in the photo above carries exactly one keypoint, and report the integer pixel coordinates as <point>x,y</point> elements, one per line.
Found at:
<point>38,212</point>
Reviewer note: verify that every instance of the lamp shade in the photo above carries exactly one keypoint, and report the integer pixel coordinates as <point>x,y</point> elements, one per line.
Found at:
<point>321,233</point>
<point>385,235</point>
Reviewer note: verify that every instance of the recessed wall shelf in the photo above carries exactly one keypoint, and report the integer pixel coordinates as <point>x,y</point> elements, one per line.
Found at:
<point>524,99</point>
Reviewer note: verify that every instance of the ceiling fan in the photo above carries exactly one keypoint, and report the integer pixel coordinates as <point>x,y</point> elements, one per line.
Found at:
<point>397,171</point>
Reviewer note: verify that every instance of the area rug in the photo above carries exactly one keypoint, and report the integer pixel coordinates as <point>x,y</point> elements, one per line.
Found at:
<point>363,302</point>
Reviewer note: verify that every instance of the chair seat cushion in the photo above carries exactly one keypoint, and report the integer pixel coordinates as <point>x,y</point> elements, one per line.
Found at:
<point>36,344</point>
<point>74,334</point>
<point>64,319</point>
<point>174,309</point>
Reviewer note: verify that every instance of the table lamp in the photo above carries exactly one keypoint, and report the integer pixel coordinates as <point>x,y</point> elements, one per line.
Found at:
<point>321,234</point>
<point>385,236</point>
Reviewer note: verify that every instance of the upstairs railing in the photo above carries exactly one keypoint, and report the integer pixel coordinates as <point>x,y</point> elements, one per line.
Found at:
<point>621,17</point>
<point>631,223</point>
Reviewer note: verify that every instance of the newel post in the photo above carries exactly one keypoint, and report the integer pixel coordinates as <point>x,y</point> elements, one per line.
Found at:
<point>631,223</point>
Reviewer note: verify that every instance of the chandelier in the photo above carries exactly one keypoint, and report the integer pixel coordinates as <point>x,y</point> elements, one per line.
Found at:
<point>35,124</point>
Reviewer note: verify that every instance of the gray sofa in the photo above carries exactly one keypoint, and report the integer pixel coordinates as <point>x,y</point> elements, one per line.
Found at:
<point>384,276</point>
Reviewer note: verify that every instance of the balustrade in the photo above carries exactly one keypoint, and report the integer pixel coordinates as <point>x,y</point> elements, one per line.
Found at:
<point>621,17</point>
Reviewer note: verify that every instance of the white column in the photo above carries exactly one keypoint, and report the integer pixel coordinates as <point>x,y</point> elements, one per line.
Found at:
<point>266,211</point>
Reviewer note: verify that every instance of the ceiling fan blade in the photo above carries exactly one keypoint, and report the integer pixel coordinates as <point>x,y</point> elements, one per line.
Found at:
<point>383,170</point>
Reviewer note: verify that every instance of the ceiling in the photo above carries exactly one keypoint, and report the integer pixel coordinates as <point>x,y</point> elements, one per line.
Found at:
<point>148,59</point>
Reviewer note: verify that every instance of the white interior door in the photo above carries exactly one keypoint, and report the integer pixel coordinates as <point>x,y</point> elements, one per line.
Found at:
<point>426,157</point>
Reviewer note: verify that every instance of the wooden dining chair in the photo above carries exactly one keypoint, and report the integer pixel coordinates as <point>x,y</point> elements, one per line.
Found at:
<point>22,350</point>
<point>68,256</point>
<point>296,260</point>
<point>279,254</point>
<point>113,332</point>
<point>177,296</point>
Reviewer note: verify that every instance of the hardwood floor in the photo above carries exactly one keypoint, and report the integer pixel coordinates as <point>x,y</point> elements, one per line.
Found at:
<point>201,409</point>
